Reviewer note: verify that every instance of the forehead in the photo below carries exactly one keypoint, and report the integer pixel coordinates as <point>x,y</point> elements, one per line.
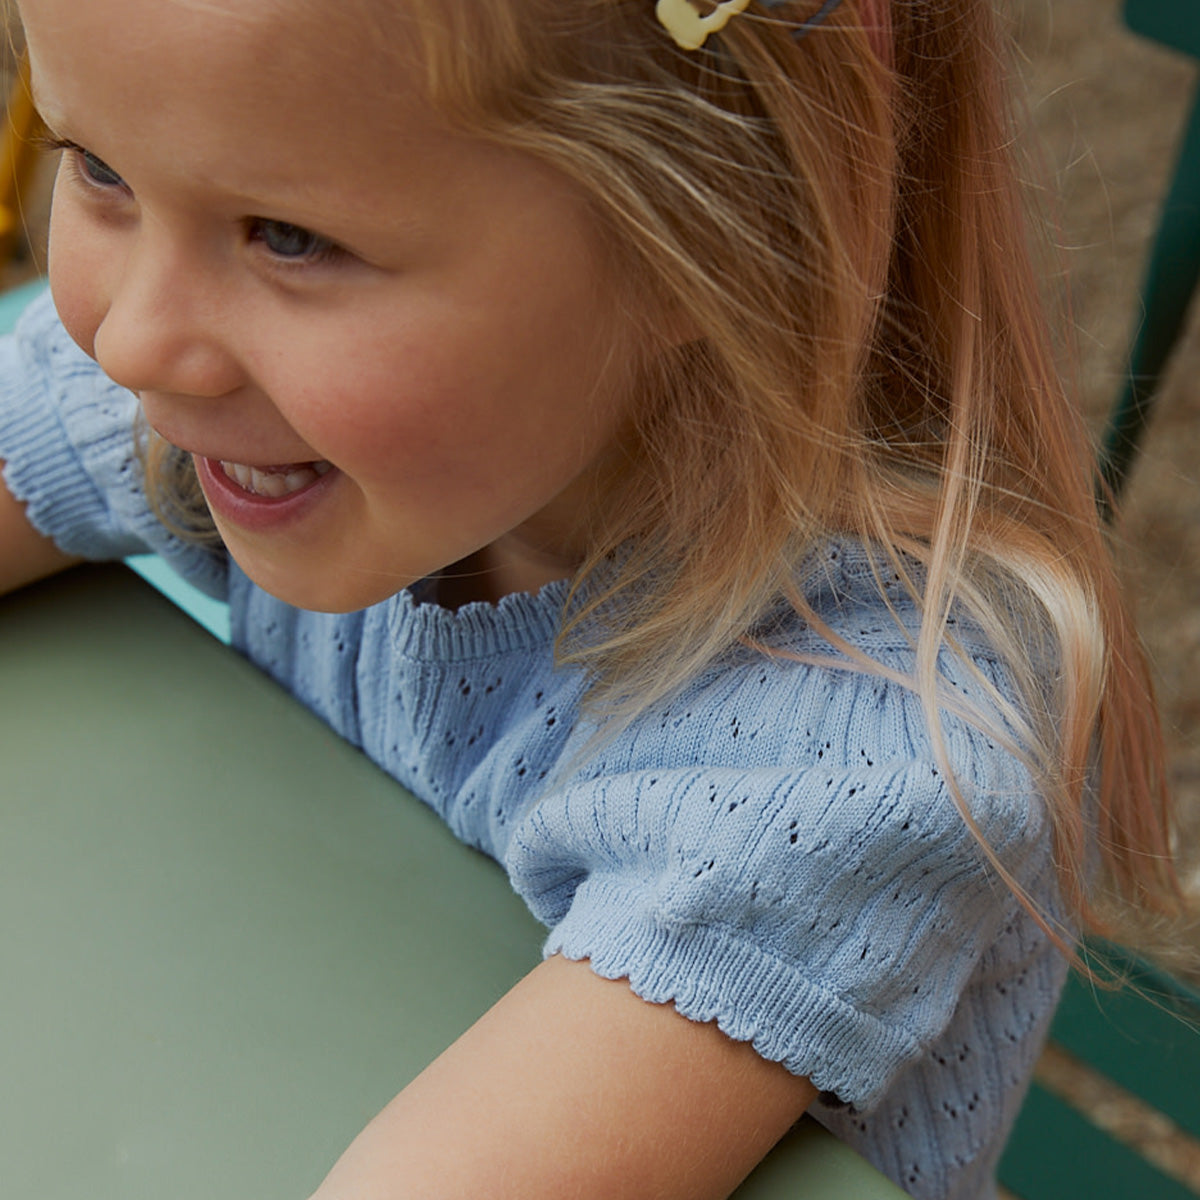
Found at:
<point>240,59</point>
<point>256,96</point>
<point>313,27</point>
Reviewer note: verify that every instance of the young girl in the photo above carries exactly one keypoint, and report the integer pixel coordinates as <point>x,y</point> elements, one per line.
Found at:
<point>633,425</point>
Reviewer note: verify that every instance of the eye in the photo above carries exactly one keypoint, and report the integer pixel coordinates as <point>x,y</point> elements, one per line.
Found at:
<point>291,241</point>
<point>87,166</point>
<point>97,171</point>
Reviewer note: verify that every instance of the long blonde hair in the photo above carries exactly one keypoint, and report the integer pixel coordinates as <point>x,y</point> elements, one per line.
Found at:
<point>872,360</point>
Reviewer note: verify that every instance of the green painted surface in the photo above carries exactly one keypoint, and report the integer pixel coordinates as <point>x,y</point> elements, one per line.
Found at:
<point>227,938</point>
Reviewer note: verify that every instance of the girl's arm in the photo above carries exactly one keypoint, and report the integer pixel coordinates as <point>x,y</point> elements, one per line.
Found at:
<point>574,1088</point>
<point>25,555</point>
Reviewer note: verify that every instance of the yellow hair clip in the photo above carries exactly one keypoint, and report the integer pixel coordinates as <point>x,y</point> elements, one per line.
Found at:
<point>689,29</point>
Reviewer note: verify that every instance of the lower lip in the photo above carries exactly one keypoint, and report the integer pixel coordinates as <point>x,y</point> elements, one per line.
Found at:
<point>258,514</point>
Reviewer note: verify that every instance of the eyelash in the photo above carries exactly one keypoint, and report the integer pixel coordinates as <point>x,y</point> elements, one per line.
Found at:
<point>323,251</point>
<point>81,158</point>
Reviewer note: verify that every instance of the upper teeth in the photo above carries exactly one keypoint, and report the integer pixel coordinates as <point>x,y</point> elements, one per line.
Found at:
<point>266,482</point>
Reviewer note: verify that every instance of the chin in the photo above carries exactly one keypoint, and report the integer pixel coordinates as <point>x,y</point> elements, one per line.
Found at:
<point>330,590</point>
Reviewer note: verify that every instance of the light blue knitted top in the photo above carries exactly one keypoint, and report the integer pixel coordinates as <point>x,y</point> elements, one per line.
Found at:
<point>773,848</point>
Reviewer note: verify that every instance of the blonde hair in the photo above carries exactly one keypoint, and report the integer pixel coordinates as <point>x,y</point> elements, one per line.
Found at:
<point>872,360</point>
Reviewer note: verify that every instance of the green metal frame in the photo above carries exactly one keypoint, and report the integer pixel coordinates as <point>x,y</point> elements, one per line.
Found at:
<point>1144,1036</point>
<point>1174,264</point>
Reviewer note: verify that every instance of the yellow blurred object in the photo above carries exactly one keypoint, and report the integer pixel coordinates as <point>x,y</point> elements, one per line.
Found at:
<point>18,158</point>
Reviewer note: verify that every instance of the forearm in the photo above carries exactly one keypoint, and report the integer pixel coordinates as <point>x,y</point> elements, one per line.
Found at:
<point>573,1087</point>
<point>25,555</point>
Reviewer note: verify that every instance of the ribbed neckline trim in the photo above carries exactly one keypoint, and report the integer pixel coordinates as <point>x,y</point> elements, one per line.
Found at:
<point>837,572</point>
<point>517,623</point>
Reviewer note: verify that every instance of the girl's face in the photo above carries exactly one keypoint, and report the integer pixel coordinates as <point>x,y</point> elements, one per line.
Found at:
<point>389,348</point>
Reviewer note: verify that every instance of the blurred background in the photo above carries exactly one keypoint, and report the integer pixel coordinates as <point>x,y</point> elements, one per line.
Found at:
<point>1106,110</point>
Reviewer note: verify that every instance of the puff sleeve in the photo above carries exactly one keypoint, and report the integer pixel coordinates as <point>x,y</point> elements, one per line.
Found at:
<point>799,873</point>
<point>67,441</point>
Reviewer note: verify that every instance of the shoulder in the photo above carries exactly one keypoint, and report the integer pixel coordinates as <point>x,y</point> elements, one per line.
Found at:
<point>795,767</point>
<point>778,847</point>
<point>792,702</point>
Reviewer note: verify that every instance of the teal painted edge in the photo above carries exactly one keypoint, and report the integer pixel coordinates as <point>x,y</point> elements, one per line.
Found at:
<point>1056,1154</point>
<point>210,613</point>
<point>1144,1035</point>
<point>13,304</point>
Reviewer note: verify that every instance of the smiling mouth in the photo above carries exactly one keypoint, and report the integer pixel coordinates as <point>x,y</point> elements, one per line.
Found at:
<point>275,482</point>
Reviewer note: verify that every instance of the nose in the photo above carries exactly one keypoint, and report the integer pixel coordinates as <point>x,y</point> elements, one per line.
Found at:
<point>164,326</point>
